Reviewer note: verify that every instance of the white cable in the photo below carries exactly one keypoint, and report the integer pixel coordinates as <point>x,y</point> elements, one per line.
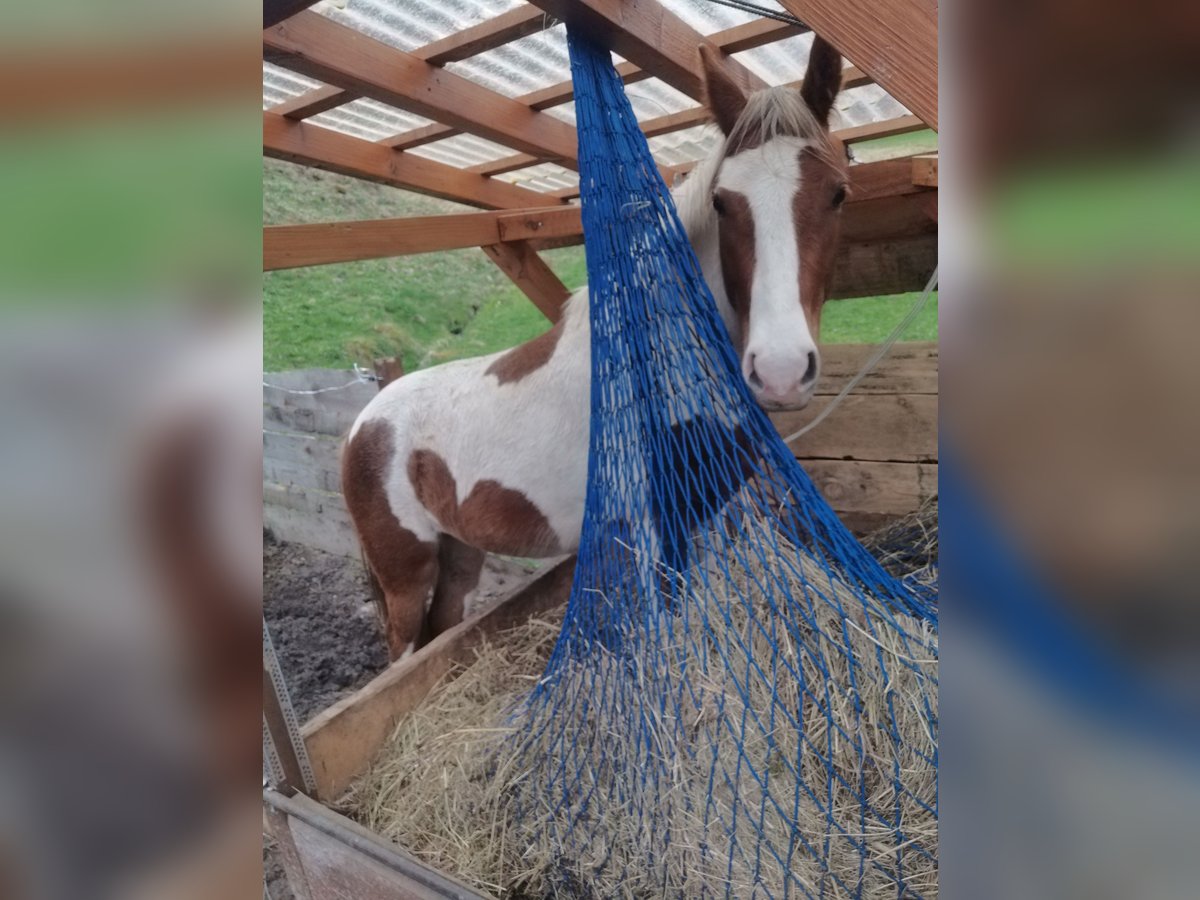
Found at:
<point>361,376</point>
<point>874,360</point>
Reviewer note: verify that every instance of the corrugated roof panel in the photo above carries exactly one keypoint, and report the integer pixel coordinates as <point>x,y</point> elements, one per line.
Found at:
<point>368,119</point>
<point>281,84</point>
<point>540,60</point>
<point>463,150</point>
<point>409,24</point>
<point>545,177</point>
<point>529,64</point>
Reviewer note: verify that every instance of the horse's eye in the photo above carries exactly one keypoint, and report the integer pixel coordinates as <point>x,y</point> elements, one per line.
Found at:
<point>839,197</point>
<point>718,204</point>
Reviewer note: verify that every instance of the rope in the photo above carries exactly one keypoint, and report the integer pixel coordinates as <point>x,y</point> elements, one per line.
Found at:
<point>871,363</point>
<point>361,376</point>
<point>777,15</point>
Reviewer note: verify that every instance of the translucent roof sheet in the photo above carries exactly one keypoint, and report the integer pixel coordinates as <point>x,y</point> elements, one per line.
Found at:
<point>538,61</point>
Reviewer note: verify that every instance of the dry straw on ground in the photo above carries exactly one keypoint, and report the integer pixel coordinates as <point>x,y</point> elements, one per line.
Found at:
<point>457,787</point>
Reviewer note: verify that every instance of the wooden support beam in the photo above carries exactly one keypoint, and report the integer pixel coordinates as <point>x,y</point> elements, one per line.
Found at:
<point>321,48</point>
<point>530,273</point>
<point>313,103</point>
<point>884,205</point>
<point>925,171</point>
<point>506,164</point>
<point>879,268</point>
<point>645,33</point>
<point>296,246</point>
<point>660,125</point>
<point>886,218</point>
<point>495,32</point>
<point>753,34</point>
<point>886,128</point>
<point>731,40</point>
<point>901,125</point>
<point>894,41</point>
<point>884,178</point>
<point>335,152</point>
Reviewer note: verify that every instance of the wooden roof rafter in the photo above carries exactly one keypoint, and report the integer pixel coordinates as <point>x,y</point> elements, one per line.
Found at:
<point>333,151</point>
<point>732,40</point>
<point>323,49</point>
<point>656,127</point>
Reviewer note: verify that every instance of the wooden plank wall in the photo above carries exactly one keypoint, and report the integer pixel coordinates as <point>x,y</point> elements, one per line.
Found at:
<point>874,458</point>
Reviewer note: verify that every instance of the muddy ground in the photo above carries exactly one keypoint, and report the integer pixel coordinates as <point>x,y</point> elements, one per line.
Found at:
<point>326,632</point>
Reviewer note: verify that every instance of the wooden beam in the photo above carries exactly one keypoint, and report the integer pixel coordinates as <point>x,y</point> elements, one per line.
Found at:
<point>313,103</point>
<point>530,273</point>
<point>731,40</point>
<point>296,246</point>
<point>865,173</point>
<point>894,41</point>
<point>321,48</point>
<point>885,218</point>
<point>506,164</point>
<point>335,152</point>
<point>646,34</point>
<point>343,739</point>
<point>884,178</point>
<point>540,224</point>
<point>275,11</point>
<point>660,125</point>
<point>880,268</point>
<point>753,34</point>
<point>886,128</point>
<point>495,32</point>
<point>925,171</point>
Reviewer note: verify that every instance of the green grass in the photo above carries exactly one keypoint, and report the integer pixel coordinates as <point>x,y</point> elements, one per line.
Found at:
<point>866,320</point>
<point>437,307</point>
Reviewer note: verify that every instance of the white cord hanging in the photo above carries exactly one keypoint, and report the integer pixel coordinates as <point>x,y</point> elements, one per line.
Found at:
<point>871,363</point>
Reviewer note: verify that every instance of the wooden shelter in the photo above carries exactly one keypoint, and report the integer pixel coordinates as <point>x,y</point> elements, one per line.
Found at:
<point>355,88</point>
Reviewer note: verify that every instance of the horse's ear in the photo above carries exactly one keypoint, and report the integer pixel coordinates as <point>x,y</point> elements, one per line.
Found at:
<point>721,94</point>
<point>823,79</point>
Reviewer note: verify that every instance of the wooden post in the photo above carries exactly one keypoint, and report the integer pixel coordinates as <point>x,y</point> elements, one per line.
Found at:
<point>530,273</point>
<point>387,370</point>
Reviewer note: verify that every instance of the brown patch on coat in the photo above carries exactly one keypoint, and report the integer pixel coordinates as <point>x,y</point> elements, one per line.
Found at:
<point>526,358</point>
<point>492,517</point>
<point>405,565</point>
<point>735,237</point>
<point>818,227</point>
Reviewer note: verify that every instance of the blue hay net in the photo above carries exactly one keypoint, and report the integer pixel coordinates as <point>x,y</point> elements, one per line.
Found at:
<point>742,701</point>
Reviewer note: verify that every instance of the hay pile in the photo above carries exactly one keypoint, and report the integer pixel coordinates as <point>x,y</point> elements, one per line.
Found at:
<point>464,784</point>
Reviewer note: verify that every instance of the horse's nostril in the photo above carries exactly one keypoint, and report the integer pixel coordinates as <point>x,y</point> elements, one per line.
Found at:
<point>755,381</point>
<point>810,373</point>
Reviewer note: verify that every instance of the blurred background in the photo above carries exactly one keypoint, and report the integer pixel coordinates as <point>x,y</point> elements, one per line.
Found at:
<point>130,370</point>
<point>1071,504</point>
<point>130,245</point>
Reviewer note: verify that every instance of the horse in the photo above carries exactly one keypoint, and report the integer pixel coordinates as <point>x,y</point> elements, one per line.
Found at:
<point>489,455</point>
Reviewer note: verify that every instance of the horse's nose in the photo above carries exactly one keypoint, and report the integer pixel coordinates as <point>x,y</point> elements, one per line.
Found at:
<point>781,377</point>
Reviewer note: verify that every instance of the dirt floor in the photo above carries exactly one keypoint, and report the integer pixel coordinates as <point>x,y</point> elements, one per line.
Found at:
<point>326,634</point>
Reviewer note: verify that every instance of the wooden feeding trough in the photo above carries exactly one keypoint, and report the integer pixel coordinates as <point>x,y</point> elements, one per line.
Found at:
<point>324,853</point>
<point>875,458</point>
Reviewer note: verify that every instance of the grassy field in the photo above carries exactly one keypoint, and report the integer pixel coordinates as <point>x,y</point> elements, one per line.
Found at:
<point>439,306</point>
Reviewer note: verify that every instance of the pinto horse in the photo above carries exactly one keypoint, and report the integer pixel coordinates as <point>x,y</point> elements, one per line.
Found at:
<point>489,455</point>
